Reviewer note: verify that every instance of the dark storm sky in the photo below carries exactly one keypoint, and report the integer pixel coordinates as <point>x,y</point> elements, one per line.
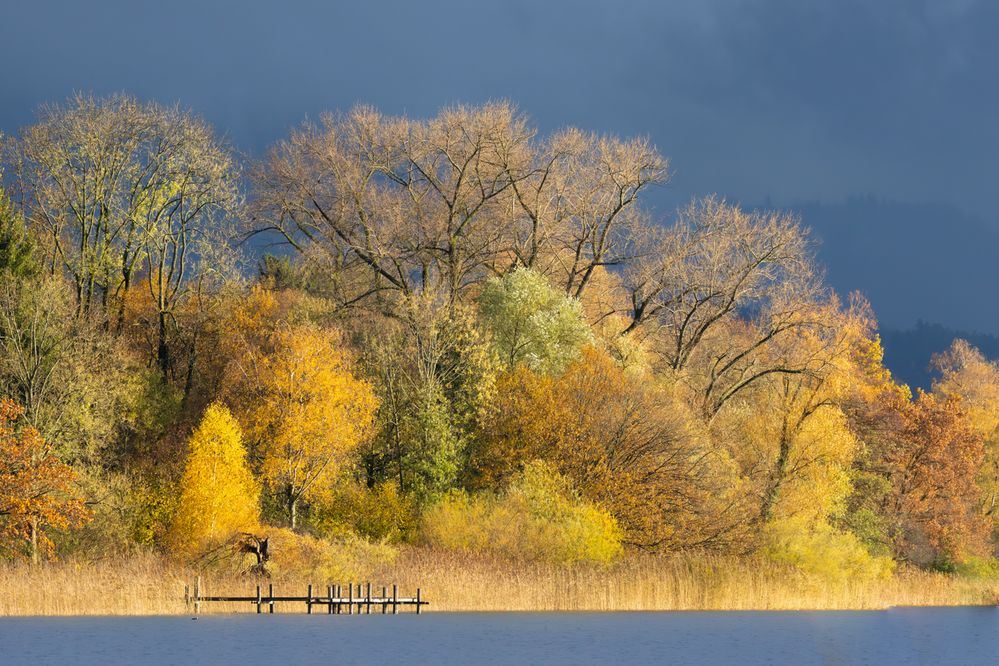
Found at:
<point>786,102</point>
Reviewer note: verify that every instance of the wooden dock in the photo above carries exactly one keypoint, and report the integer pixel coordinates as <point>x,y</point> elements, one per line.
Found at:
<point>335,602</point>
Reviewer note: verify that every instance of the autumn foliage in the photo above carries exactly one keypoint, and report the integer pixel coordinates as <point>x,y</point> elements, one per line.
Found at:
<point>473,337</point>
<point>537,516</point>
<point>36,489</point>
<point>934,496</point>
<point>219,496</point>
<point>633,455</point>
<point>305,411</point>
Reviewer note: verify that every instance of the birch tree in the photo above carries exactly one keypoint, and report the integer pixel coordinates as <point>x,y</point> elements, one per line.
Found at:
<point>306,413</point>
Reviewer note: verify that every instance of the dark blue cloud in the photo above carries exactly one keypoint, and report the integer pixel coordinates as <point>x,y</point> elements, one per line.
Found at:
<point>788,99</point>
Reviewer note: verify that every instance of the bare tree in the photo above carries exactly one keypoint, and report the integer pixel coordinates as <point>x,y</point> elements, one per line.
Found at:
<point>399,206</point>
<point>404,205</point>
<point>117,186</point>
<point>722,293</point>
<point>187,240</point>
<point>580,204</point>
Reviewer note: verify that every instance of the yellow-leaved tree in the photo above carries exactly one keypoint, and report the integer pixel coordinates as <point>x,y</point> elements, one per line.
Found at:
<point>307,412</point>
<point>218,495</point>
<point>792,440</point>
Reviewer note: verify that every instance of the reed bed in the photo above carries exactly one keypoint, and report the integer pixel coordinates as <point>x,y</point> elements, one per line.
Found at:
<point>680,582</point>
<point>139,585</point>
<point>146,585</point>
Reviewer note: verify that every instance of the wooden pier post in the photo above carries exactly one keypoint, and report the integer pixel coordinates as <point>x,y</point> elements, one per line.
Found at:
<point>417,601</point>
<point>258,600</point>
<point>308,601</point>
<point>350,598</point>
<point>395,599</point>
<point>339,596</point>
<point>329,593</point>
<point>270,595</point>
<point>369,599</point>
<point>187,598</point>
<point>384,602</point>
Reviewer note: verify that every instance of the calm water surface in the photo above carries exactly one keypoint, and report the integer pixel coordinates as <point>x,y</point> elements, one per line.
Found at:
<point>965,636</point>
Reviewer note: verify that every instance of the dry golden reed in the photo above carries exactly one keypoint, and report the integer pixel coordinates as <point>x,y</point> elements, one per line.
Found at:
<point>146,585</point>
<point>680,582</point>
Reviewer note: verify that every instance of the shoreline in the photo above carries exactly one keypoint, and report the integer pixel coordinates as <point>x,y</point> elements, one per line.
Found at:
<point>146,585</point>
<point>771,611</point>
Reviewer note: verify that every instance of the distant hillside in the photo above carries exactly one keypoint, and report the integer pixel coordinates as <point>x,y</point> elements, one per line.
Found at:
<point>908,353</point>
<point>916,263</point>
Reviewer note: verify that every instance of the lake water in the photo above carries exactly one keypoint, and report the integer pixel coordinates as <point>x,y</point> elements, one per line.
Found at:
<point>965,636</point>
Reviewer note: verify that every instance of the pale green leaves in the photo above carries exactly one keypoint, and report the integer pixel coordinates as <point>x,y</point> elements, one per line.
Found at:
<point>532,323</point>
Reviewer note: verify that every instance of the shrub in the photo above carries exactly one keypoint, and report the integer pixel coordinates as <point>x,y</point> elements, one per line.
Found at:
<point>970,566</point>
<point>346,558</point>
<point>537,517</point>
<point>381,513</point>
<point>821,549</point>
<point>128,514</point>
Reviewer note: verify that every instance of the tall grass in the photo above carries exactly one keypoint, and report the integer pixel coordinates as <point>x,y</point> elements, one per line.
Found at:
<point>679,582</point>
<point>139,585</point>
<point>145,585</point>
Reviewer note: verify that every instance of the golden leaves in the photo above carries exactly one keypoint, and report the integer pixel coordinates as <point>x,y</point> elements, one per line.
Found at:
<point>305,410</point>
<point>218,494</point>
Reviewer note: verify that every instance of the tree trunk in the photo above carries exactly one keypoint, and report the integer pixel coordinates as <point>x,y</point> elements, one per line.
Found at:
<point>126,282</point>
<point>777,480</point>
<point>292,509</point>
<point>162,350</point>
<point>34,540</point>
<point>192,360</point>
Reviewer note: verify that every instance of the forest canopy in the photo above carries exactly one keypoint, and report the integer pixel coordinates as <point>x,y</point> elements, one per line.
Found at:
<point>453,332</point>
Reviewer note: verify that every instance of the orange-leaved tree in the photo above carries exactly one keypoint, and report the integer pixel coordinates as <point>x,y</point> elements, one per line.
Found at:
<point>36,488</point>
<point>306,412</point>
<point>967,375</point>
<point>622,440</point>
<point>918,472</point>
<point>935,480</point>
